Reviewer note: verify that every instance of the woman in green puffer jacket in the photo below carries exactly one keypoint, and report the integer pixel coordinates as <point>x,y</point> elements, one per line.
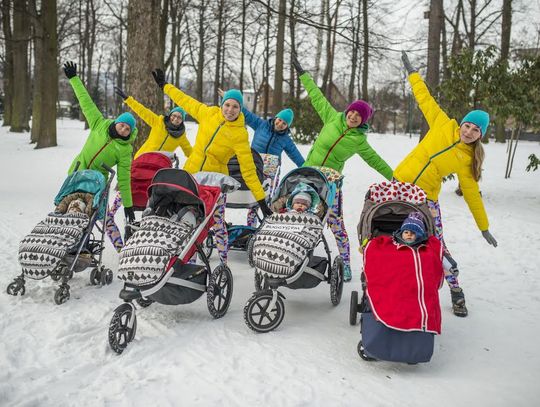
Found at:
<point>343,135</point>
<point>109,142</point>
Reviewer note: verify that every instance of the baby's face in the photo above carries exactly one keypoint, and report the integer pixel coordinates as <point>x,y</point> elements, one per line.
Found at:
<point>299,206</point>
<point>408,236</point>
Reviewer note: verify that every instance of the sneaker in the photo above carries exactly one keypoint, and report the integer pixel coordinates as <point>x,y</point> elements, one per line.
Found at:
<point>458,302</point>
<point>347,273</point>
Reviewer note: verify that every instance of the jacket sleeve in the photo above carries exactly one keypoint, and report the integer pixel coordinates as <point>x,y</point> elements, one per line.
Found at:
<point>247,167</point>
<point>142,111</point>
<point>293,152</point>
<point>89,109</point>
<point>471,194</point>
<point>124,175</point>
<point>321,105</point>
<point>185,145</point>
<point>193,107</point>
<point>374,160</point>
<point>433,113</point>
<point>252,120</point>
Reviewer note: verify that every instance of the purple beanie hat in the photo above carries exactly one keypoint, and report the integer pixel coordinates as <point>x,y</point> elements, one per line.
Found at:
<point>363,109</point>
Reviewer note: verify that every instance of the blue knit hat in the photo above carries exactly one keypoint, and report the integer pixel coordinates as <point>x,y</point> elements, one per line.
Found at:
<point>287,115</point>
<point>478,117</point>
<point>128,119</point>
<point>233,94</point>
<point>180,110</point>
<point>414,223</point>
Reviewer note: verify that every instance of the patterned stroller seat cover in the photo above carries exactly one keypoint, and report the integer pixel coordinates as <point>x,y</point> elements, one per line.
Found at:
<point>148,253</point>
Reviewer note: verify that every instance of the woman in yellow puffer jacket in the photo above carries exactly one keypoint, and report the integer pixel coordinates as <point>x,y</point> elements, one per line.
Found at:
<point>221,135</point>
<point>447,148</point>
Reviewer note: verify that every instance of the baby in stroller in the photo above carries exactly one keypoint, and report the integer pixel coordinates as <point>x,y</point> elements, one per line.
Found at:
<point>63,243</point>
<point>403,271</point>
<point>284,248</point>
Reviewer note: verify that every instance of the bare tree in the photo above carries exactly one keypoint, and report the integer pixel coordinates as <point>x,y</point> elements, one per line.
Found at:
<point>8,63</point>
<point>280,49</point>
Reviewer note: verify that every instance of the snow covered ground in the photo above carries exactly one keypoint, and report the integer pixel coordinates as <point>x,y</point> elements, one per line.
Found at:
<point>58,355</point>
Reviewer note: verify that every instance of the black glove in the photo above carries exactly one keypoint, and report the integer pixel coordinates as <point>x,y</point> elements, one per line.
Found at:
<point>297,65</point>
<point>489,238</point>
<point>130,214</point>
<point>405,58</point>
<point>264,208</point>
<point>120,93</point>
<point>70,69</point>
<point>159,77</point>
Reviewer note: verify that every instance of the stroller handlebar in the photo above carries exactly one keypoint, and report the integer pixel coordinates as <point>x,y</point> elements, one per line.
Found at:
<point>109,169</point>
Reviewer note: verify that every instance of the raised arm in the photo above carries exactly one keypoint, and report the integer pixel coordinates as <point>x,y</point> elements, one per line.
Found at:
<point>293,153</point>
<point>89,109</point>
<point>252,120</point>
<point>148,116</point>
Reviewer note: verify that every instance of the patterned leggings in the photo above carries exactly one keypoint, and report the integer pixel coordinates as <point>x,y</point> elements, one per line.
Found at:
<point>435,210</point>
<point>111,228</point>
<point>221,236</point>
<point>337,226</point>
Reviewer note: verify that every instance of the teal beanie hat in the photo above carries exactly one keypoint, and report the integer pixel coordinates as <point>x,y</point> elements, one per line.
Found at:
<point>180,110</point>
<point>233,94</point>
<point>478,117</point>
<point>127,118</point>
<point>287,115</point>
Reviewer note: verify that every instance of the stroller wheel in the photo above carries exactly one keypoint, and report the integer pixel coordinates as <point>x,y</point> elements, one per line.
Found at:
<point>257,315</point>
<point>353,310</point>
<point>16,288</point>
<point>95,276</point>
<point>61,295</point>
<point>249,251</point>
<point>336,281</point>
<point>56,274</point>
<point>120,334</point>
<point>362,353</point>
<point>106,276</point>
<point>219,291</point>
<point>209,245</point>
<point>259,279</point>
<point>144,302</point>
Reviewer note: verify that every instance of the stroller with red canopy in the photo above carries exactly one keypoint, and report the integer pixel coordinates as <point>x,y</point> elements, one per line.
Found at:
<point>154,263</point>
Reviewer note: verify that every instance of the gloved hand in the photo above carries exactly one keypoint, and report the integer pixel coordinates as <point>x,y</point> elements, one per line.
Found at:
<point>130,214</point>
<point>408,66</point>
<point>489,238</point>
<point>70,69</point>
<point>120,93</point>
<point>159,77</point>
<point>264,208</point>
<point>297,65</point>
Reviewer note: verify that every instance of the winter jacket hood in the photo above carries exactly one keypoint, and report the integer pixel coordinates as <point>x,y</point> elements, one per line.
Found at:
<point>303,187</point>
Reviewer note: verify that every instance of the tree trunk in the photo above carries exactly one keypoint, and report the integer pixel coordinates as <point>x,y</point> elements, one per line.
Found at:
<point>8,64</point>
<point>143,35</point>
<point>280,49</point>
<point>243,45</point>
<point>49,75</point>
<point>163,31</point>
<point>37,27</point>
<point>500,134</point>
<point>21,88</point>
<point>219,46</point>
<point>318,51</point>
<point>202,50</point>
<point>472,31</point>
<point>355,27</point>
<point>266,80</point>
<point>292,74</point>
<point>365,58</point>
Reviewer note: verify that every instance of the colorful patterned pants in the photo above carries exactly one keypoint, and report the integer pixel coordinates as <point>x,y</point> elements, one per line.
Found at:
<point>271,180</point>
<point>337,226</point>
<point>221,237</point>
<point>435,210</point>
<point>111,228</point>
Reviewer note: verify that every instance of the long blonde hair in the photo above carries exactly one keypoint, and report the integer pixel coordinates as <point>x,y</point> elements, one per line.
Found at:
<point>478,159</point>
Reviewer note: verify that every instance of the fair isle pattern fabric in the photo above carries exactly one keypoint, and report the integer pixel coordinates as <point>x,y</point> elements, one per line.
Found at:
<point>283,242</point>
<point>44,248</point>
<point>396,191</point>
<point>146,254</point>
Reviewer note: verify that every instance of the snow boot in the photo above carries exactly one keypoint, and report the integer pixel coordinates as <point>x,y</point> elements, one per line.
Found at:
<point>347,273</point>
<point>458,302</point>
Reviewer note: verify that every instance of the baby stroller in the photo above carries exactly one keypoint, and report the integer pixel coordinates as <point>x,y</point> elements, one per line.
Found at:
<point>154,262</point>
<point>384,336</point>
<point>239,236</point>
<point>63,243</point>
<point>143,169</point>
<point>283,252</point>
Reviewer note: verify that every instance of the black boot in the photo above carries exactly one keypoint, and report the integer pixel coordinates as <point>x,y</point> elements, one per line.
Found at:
<point>458,302</point>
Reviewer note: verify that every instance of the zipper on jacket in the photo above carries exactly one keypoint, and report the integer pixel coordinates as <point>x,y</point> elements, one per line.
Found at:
<point>333,145</point>
<point>420,281</point>
<point>208,145</point>
<point>166,137</point>
<point>268,144</point>
<point>100,150</point>
<point>431,158</point>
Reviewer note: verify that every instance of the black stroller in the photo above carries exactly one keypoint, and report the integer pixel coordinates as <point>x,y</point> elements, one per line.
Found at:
<point>64,243</point>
